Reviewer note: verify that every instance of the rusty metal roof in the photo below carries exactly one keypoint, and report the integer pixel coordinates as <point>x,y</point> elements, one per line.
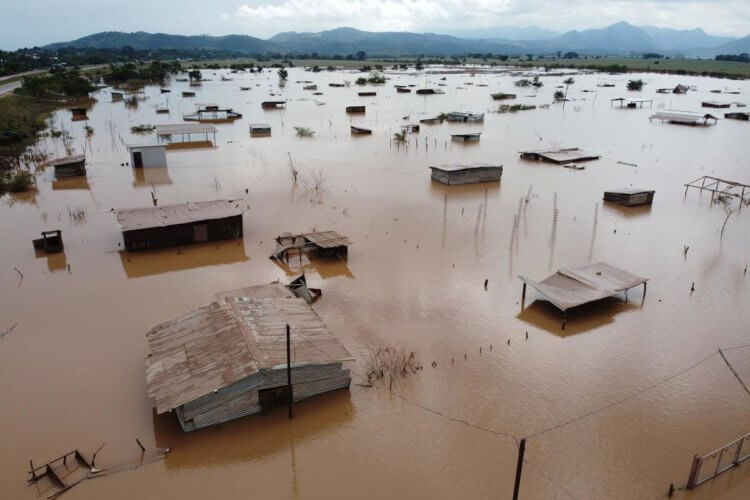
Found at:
<point>239,334</point>
<point>169,215</point>
<point>185,128</point>
<point>327,239</point>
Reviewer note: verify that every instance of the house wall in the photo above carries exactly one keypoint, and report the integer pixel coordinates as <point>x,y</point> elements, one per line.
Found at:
<point>152,157</point>
<point>182,234</point>
<point>241,398</point>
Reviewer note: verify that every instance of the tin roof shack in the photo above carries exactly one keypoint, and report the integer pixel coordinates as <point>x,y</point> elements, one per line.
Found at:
<point>572,287</point>
<point>70,166</point>
<point>355,109</point>
<point>429,91</point>
<point>629,196</point>
<point>738,115</point>
<point>322,244</point>
<point>148,155</point>
<point>360,130</point>
<point>260,130</point>
<point>273,104</point>
<point>467,174</point>
<point>212,113</point>
<point>228,359</point>
<point>50,242</point>
<point>473,137</point>
<point>174,225</point>
<point>715,104</point>
<point>367,93</point>
<point>631,103</point>
<point>684,118</point>
<point>185,130</point>
<point>78,114</point>
<point>560,156</point>
<point>460,116</point>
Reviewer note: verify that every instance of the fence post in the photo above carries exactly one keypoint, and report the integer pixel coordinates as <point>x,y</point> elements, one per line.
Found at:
<point>737,453</point>
<point>694,469</point>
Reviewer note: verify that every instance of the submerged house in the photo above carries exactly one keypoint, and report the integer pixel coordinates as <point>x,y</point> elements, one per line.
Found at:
<point>715,104</point>
<point>228,359</point>
<point>355,109</point>
<point>260,130</point>
<point>212,113</point>
<point>173,225</point>
<point>69,166</point>
<point>472,137</point>
<point>273,104</point>
<point>429,91</point>
<point>466,174</point>
<point>321,243</point>
<point>148,155</point>
<point>560,155</point>
<point>738,115</point>
<point>360,130</point>
<point>78,114</point>
<point>684,118</point>
<point>460,116</point>
<point>572,287</point>
<point>630,196</point>
<point>168,133</point>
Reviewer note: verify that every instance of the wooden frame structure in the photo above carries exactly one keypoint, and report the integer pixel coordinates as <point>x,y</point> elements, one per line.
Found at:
<point>719,186</point>
<point>694,478</point>
<point>50,470</point>
<point>322,243</point>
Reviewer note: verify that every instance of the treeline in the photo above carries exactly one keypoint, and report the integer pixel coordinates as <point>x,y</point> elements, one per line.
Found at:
<point>744,57</point>
<point>153,72</point>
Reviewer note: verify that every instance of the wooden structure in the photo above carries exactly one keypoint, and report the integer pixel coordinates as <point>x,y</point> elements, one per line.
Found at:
<point>629,196</point>
<point>572,287</point>
<point>273,104</point>
<point>321,244</point>
<point>472,137</point>
<point>227,360</point>
<point>50,242</point>
<point>299,288</point>
<point>69,166</point>
<point>715,104</point>
<point>466,174</point>
<point>182,224</point>
<point>718,186</point>
<point>310,87</point>
<point>367,93</point>
<point>410,128</point>
<point>78,114</point>
<point>684,118</point>
<point>212,113</point>
<point>559,156</point>
<point>431,121</point>
<point>738,115</point>
<point>460,116</point>
<point>720,460</point>
<point>429,91</point>
<point>184,130</point>
<point>631,103</point>
<point>360,130</point>
<point>355,109</point>
<point>59,469</point>
<point>499,96</point>
<point>403,90</point>
<point>260,130</point>
<point>148,155</point>
<point>188,93</point>
<point>337,85</point>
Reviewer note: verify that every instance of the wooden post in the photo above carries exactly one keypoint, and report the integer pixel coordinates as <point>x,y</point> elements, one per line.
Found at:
<point>737,453</point>
<point>523,295</point>
<point>694,469</point>
<point>31,465</point>
<point>519,467</point>
<point>289,371</point>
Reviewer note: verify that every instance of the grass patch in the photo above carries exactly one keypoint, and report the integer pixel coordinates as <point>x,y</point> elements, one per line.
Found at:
<point>304,131</point>
<point>514,108</point>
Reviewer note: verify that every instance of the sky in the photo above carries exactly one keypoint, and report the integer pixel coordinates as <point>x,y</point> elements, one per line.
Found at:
<point>26,23</point>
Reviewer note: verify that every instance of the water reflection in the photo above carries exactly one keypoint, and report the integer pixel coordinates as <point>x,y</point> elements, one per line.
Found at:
<point>146,177</point>
<point>149,263</point>
<point>55,261</point>
<point>79,182</point>
<point>325,267</point>
<point>254,437</point>
<point>545,316</point>
<point>637,211</point>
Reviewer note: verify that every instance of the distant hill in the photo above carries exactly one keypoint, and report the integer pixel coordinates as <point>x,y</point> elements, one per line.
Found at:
<point>617,39</point>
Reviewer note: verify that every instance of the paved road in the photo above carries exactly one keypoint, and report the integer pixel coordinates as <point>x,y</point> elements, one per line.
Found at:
<point>8,87</point>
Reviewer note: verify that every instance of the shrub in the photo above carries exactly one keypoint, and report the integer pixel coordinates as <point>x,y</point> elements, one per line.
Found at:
<point>635,84</point>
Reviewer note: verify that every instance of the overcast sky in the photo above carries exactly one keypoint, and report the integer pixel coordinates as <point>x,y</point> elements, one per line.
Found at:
<point>25,23</point>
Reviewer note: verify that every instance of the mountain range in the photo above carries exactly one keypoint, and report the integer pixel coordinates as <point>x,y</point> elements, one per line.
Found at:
<point>618,39</point>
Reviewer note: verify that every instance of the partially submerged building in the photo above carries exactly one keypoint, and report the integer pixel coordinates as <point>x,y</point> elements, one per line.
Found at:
<point>273,104</point>
<point>630,196</point>
<point>260,130</point>
<point>69,166</point>
<point>212,113</point>
<point>50,242</point>
<point>228,359</point>
<point>461,116</point>
<point>573,287</point>
<point>631,103</point>
<point>738,115</point>
<point>185,131</point>
<point>78,114</point>
<point>148,155</point>
<point>429,91</point>
<point>466,174</point>
<point>715,104</point>
<point>684,118</point>
<point>355,109</point>
<point>471,137</point>
<point>321,244</point>
<point>367,93</point>
<point>360,130</point>
<point>559,156</point>
<point>182,224</point>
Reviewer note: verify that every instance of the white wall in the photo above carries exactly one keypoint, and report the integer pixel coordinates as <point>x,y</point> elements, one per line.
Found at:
<point>152,157</point>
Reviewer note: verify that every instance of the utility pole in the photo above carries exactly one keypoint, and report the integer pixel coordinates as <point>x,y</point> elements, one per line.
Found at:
<point>519,467</point>
<point>289,371</point>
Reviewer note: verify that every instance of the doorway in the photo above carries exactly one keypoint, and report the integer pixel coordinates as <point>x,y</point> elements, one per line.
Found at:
<point>137,159</point>
<point>200,233</point>
<point>275,396</point>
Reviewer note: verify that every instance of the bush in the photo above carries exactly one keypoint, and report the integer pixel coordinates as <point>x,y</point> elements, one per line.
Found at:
<point>361,80</point>
<point>559,95</point>
<point>304,132</point>
<point>283,74</point>
<point>635,84</point>
<point>16,182</point>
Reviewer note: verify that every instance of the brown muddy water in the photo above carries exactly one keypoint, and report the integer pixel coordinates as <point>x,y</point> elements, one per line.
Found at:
<point>617,403</point>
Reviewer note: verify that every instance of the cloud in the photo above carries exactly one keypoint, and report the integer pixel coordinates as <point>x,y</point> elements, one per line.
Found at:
<point>224,16</point>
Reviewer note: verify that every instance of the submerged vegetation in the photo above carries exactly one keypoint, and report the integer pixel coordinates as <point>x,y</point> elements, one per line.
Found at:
<point>15,181</point>
<point>514,108</point>
<point>142,128</point>
<point>304,131</point>
<point>635,84</point>
<point>130,73</point>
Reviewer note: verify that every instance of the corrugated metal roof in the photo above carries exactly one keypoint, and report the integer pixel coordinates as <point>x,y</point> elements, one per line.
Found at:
<point>185,128</point>
<point>236,336</point>
<point>170,215</point>
<point>327,239</point>
<point>68,159</point>
<point>456,168</point>
<point>681,117</point>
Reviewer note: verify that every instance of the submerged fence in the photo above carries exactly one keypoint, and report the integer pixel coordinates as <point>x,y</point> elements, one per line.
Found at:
<point>712,464</point>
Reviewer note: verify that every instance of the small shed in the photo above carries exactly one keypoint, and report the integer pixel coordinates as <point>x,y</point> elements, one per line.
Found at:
<point>360,130</point>
<point>187,93</point>
<point>69,166</point>
<point>182,224</point>
<point>629,196</point>
<point>715,104</point>
<point>50,242</point>
<point>148,155</point>
<point>321,243</point>
<point>355,109</point>
<point>472,137</point>
<point>684,118</point>
<point>116,96</point>
<point>572,287</point>
<point>229,359</point>
<point>273,104</point>
<point>738,115</point>
<point>429,91</point>
<point>78,114</point>
<point>467,174</point>
<point>367,93</point>
<point>559,156</point>
<point>185,131</point>
<point>260,130</point>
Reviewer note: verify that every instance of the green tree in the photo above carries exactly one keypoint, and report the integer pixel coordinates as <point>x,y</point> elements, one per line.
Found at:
<point>283,74</point>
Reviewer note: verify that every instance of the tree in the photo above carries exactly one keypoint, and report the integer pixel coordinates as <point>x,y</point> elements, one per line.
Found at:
<point>195,74</point>
<point>361,55</point>
<point>635,84</point>
<point>571,55</point>
<point>283,74</point>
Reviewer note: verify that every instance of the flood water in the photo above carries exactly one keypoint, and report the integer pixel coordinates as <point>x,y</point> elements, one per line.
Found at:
<point>615,405</point>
